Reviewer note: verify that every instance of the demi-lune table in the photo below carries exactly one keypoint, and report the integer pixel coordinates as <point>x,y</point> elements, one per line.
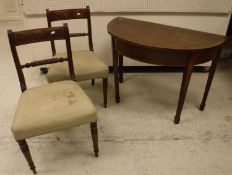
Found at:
<point>163,45</point>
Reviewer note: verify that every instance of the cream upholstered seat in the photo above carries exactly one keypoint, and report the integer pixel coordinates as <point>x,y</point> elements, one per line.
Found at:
<point>50,108</point>
<point>87,66</point>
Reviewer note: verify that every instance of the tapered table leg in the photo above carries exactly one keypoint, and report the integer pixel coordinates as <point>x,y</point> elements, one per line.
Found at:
<point>209,81</point>
<point>120,68</point>
<point>115,67</point>
<point>183,91</point>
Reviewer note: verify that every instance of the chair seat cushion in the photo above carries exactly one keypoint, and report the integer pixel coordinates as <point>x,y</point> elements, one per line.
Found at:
<point>87,66</point>
<point>50,108</point>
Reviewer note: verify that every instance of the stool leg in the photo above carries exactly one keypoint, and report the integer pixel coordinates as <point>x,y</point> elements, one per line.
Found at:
<point>184,87</point>
<point>209,82</point>
<point>26,152</point>
<point>94,133</point>
<point>105,87</point>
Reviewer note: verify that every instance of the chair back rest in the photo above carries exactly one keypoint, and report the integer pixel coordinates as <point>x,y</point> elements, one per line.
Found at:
<point>39,35</point>
<point>68,14</point>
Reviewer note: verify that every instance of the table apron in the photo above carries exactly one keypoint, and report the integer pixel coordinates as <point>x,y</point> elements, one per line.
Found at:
<point>165,57</point>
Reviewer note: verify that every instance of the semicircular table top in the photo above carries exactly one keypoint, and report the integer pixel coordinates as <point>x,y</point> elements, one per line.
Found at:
<point>155,35</point>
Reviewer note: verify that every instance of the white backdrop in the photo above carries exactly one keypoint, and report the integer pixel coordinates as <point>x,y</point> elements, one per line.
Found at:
<point>31,7</point>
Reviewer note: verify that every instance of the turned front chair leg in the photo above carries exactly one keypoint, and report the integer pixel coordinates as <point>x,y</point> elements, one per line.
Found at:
<point>183,91</point>
<point>105,87</point>
<point>120,68</point>
<point>209,82</point>
<point>93,82</point>
<point>94,133</point>
<point>26,152</point>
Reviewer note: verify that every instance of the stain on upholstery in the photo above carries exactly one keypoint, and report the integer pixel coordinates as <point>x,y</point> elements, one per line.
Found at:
<point>69,94</point>
<point>228,118</point>
<point>72,101</point>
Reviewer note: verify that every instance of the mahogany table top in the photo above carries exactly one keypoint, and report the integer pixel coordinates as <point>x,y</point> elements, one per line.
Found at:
<point>153,35</point>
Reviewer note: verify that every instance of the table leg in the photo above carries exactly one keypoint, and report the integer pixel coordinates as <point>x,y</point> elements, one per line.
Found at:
<point>115,68</point>
<point>209,82</point>
<point>120,68</point>
<point>183,91</point>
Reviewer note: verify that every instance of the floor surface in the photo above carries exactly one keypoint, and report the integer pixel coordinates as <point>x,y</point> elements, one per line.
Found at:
<point>136,136</point>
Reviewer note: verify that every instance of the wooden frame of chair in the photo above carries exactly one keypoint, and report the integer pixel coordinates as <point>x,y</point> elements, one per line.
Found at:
<point>41,35</point>
<point>80,13</point>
